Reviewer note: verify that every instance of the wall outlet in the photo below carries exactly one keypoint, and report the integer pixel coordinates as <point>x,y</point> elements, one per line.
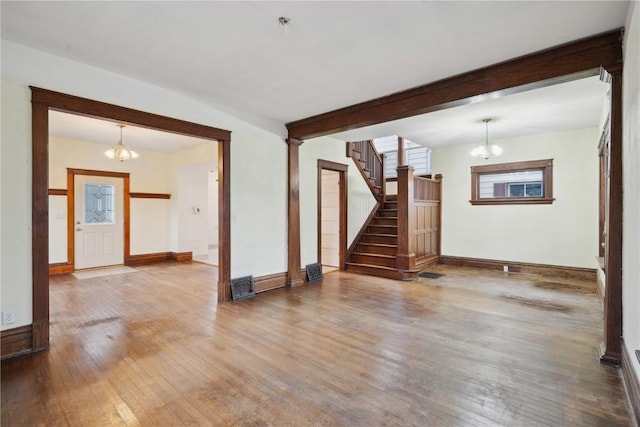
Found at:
<point>505,268</point>
<point>8,317</point>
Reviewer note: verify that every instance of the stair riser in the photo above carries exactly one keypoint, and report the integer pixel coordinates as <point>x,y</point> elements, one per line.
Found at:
<point>373,249</point>
<point>391,274</point>
<point>381,229</point>
<point>387,240</point>
<point>372,260</point>
<point>390,205</point>
<point>387,213</point>
<point>385,221</point>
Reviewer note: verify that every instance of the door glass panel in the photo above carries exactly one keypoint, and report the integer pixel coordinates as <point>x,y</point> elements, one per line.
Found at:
<point>99,203</point>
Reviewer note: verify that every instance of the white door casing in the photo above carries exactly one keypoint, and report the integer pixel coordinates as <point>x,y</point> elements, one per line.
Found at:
<point>99,221</point>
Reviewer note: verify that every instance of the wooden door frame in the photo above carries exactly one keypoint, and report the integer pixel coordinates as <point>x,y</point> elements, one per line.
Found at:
<point>342,171</point>
<point>71,212</point>
<point>42,100</point>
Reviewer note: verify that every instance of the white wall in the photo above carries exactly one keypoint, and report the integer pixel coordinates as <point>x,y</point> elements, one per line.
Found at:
<point>631,185</point>
<point>360,199</point>
<point>258,242</point>
<point>563,233</point>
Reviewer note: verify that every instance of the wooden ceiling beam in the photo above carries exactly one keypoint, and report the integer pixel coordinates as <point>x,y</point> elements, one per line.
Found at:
<point>571,61</point>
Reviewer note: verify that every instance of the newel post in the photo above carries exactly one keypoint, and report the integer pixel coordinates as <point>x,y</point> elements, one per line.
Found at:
<point>406,257</point>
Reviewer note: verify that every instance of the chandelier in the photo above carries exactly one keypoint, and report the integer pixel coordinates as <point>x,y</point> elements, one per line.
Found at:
<point>120,151</point>
<point>485,150</point>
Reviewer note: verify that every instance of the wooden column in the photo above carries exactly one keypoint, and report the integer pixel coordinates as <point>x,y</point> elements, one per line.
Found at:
<point>40,225</point>
<point>294,273</point>
<point>224,220</point>
<point>406,258</point>
<point>401,159</point>
<point>613,254</point>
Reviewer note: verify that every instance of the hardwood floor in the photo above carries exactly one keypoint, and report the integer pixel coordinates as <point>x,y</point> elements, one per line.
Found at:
<point>472,348</point>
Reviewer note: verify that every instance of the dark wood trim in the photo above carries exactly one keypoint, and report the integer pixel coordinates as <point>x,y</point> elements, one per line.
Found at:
<point>90,172</point>
<point>577,273</point>
<point>41,101</point>
<point>294,277</point>
<point>71,211</point>
<point>342,171</point>
<point>181,256</point>
<point>631,382</point>
<point>513,201</point>
<point>60,268</point>
<point>224,220</point>
<point>567,62</point>
<point>269,282</point>
<point>613,251</point>
<point>143,259</point>
<point>149,195</point>
<point>40,225</point>
<point>71,196</point>
<point>87,107</point>
<point>545,165</point>
<point>57,191</point>
<point>16,341</point>
<point>151,258</point>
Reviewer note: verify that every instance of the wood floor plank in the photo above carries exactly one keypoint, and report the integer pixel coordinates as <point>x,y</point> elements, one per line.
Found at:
<point>481,348</point>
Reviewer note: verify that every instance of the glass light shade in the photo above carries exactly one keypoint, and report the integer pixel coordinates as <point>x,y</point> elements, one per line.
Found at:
<point>120,152</point>
<point>485,151</point>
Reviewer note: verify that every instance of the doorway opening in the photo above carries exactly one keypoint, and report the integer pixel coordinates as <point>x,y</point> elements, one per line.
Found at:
<point>42,102</point>
<point>332,215</point>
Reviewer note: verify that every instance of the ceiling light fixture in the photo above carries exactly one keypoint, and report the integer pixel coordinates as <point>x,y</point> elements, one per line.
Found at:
<point>120,151</point>
<point>485,150</point>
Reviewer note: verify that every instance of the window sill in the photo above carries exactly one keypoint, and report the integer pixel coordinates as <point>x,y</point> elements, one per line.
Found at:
<point>513,201</point>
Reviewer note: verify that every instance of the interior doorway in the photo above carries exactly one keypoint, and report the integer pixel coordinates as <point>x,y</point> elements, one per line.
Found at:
<point>330,219</point>
<point>332,214</point>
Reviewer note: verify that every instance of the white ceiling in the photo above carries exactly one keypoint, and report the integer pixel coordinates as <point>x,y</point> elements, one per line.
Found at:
<point>333,54</point>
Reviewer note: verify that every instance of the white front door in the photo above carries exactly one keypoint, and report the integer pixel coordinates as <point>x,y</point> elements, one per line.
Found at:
<point>330,225</point>
<point>99,221</point>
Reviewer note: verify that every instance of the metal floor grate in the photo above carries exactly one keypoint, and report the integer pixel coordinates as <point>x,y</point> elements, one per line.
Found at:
<point>429,275</point>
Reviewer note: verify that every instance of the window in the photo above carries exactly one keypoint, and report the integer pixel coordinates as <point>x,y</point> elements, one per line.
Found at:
<point>99,202</point>
<point>512,183</point>
<point>415,155</point>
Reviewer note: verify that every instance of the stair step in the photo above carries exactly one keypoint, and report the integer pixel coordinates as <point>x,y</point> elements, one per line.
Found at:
<point>390,205</point>
<point>379,260</point>
<point>385,220</point>
<point>383,229</point>
<point>387,213</point>
<point>390,273</point>
<point>377,248</point>
<point>392,198</point>
<point>387,239</point>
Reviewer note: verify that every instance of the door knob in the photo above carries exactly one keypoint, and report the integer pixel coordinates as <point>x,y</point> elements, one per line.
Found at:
<point>78,229</point>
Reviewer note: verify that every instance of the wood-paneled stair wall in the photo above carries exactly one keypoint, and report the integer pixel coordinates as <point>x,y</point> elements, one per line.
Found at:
<point>380,249</point>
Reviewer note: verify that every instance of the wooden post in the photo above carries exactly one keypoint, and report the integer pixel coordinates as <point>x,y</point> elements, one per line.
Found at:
<point>401,159</point>
<point>613,254</point>
<point>294,273</point>
<point>405,258</point>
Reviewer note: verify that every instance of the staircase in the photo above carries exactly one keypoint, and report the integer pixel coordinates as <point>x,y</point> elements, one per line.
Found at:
<point>376,248</point>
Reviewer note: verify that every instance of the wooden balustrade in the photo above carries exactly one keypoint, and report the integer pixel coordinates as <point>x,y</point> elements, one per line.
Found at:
<point>370,163</point>
<point>419,216</point>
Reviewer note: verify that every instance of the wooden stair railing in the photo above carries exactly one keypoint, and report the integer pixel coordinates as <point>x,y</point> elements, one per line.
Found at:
<point>370,163</point>
<point>401,237</point>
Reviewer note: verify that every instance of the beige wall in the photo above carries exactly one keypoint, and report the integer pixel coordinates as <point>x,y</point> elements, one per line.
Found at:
<point>563,233</point>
